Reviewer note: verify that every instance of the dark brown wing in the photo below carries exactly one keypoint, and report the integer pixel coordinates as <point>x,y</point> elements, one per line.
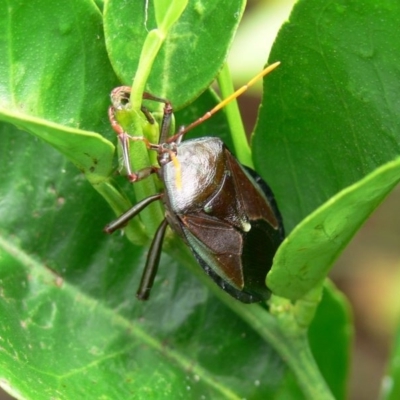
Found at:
<point>218,243</point>
<point>237,234</point>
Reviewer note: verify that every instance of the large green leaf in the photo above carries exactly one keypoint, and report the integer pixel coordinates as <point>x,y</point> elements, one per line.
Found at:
<point>57,86</point>
<point>329,118</point>
<point>68,289</point>
<point>306,256</point>
<point>331,335</point>
<point>330,111</point>
<point>192,53</point>
<point>71,325</point>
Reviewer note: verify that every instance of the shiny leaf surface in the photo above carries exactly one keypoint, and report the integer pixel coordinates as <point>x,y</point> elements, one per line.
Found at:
<point>189,59</point>
<point>329,118</point>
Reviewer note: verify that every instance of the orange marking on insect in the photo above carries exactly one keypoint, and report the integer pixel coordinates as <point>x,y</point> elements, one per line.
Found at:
<point>178,175</point>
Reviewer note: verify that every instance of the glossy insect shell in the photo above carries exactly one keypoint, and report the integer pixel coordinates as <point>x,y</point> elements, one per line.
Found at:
<point>225,213</point>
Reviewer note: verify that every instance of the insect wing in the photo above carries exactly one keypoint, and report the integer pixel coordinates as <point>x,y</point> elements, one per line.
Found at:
<point>214,264</point>
<point>236,239</point>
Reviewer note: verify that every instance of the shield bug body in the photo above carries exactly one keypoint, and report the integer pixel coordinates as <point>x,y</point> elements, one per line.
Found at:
<point>224,211</point>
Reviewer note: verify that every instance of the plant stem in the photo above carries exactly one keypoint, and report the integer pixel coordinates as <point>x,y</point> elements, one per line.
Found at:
<point>291,344</point>
<point>303,365</point>
<point>242,148</point>
<point>283,329</point>
<point>167,16</point>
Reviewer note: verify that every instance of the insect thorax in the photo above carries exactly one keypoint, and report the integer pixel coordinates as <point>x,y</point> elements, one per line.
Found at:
<point>196,176</point>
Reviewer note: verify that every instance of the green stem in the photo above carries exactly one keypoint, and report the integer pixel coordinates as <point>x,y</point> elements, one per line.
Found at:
<point>150,49</point>
<point>242,148</point>
<point>153,214</point>
<point>303,365</point>
<point>166,18</point>
<point>284,328</point>
<point>291,344</point>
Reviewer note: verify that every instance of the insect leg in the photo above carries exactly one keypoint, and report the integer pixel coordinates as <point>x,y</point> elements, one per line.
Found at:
<point>120,100</point>
<point>124,139</point>
<point>153,259</point>
<point>121,221</point>
<point>168,111</point>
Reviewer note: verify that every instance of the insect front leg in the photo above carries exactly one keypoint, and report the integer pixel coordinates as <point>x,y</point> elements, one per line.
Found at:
<point>124,138</point>
<point>167,115</point>
<point>120,97</point>
<point>120,100</point>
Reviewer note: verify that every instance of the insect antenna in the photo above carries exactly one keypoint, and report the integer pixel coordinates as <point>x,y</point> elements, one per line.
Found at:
<point>178,136</point>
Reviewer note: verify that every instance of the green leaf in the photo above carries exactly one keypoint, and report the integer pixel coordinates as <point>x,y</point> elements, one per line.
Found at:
<point>68,289</point>
<point>329,118</point>
<point>58,86</point>
<point>96,163</point>
<point>189,59</point>
<point>167,14</point>
<point>330,111</point>
<point>306,256</point>
<point>331,335</point>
